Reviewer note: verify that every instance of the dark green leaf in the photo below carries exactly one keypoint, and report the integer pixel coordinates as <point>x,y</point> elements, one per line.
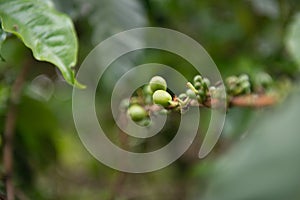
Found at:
<point>49,34</point>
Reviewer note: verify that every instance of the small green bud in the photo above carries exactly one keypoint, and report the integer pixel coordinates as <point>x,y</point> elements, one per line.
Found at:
<point>237,90</point>
<point>134,100</point>
<point>201,93</point>
<point>162,98</point>
<point>231,80</point>
<point>145,122</point>
<point>191,94</point>
<point>198,79</point>
<point>147,90</point>
<point>201,96</point>
<point>198,85</point>
<point>232,85</point>
<point>124,104</point>
<point>263,79</point>
<point>182,96</point>
<point>137,112</point>
<point>206,82</point>
<point>212,89</point>
<point>213,92</point>
<point>243,78</point>
<point>158,83</point>
<point>246,87</point>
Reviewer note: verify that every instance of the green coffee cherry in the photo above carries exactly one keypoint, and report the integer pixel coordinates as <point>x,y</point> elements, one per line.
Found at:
<point>214,93</point>
<point>201,97</point>
<point>206,82</point>
<point>145,122</point>
<point>124,104</point>
<point>212,89</point>
<point>243,78</point>
<point>246,87</point>
<point>162,98</point>
<point>231,80</point>
<point>198,79</point>
<point>137,112</point>
<point>158,83</point>
<point>201,93</point>
<point>232,85</point>
<point>190,93</point>
<point>134,100</point>
<point>263,79</point>
<point>147,90</point>
<point>182,96</point>
<point>198,85</point>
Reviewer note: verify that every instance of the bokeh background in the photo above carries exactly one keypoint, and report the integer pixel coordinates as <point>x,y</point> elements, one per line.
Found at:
<point>257,156</point>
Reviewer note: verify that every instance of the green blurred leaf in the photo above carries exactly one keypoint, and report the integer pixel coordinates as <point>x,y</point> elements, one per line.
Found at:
<point>49,34</point>
<point>112,16</point>
<point>266,164</point>
<point>109,17</point>
<point>293,39</point>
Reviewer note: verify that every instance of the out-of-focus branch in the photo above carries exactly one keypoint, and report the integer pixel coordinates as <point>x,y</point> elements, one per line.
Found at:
<point>249,100</point>
<point>253,100</point>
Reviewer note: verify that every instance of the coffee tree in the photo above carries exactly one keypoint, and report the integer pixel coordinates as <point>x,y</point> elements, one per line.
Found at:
<point>42,43</point>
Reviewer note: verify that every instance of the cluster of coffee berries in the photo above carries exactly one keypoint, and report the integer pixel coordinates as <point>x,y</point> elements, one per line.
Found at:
<point>153,93</point>
<point>262,82</point>
<point>200,91</point>
<point>243,85</point>
<point>161,96</point>
<point>238,85</point>
<point>157,92</point>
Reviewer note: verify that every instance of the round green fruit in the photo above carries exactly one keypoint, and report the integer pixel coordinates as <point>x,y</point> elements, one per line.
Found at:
<point>182,96</point>
<point>137,113</point>
<point>147,90</point>
<point>263,79</point>
<point>197,79</point>
<point>162,98</point>
<point>243,78</point>
<point>198,85</point>
<point>206,81</point>
<point>158,83</point>
<point>191,94</point>
<point>232,80</point>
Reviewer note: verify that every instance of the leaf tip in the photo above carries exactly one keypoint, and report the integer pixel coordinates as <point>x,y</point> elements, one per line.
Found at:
<point>79,85</point>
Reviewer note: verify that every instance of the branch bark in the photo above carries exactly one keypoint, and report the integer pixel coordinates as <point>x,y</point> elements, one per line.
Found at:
<point>9,130</point>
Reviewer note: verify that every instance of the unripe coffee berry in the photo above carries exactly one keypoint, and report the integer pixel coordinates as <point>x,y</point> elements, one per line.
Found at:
<point>243,78</point>
<point>162,98</point>
<point>147,90</point>
<point>232,80</point>
<point>263,79</point>
<point>198,79</point>
<point>198,85</point>
<point>158,83</point>
<point>246,87</point>
<point>206,82</point>
<point>191,94</point>
<point>124,104</point>
<point>137,112</point>
<point>182,96</point>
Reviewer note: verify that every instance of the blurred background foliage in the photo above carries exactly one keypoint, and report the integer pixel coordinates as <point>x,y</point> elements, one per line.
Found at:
<point>257,155</point>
